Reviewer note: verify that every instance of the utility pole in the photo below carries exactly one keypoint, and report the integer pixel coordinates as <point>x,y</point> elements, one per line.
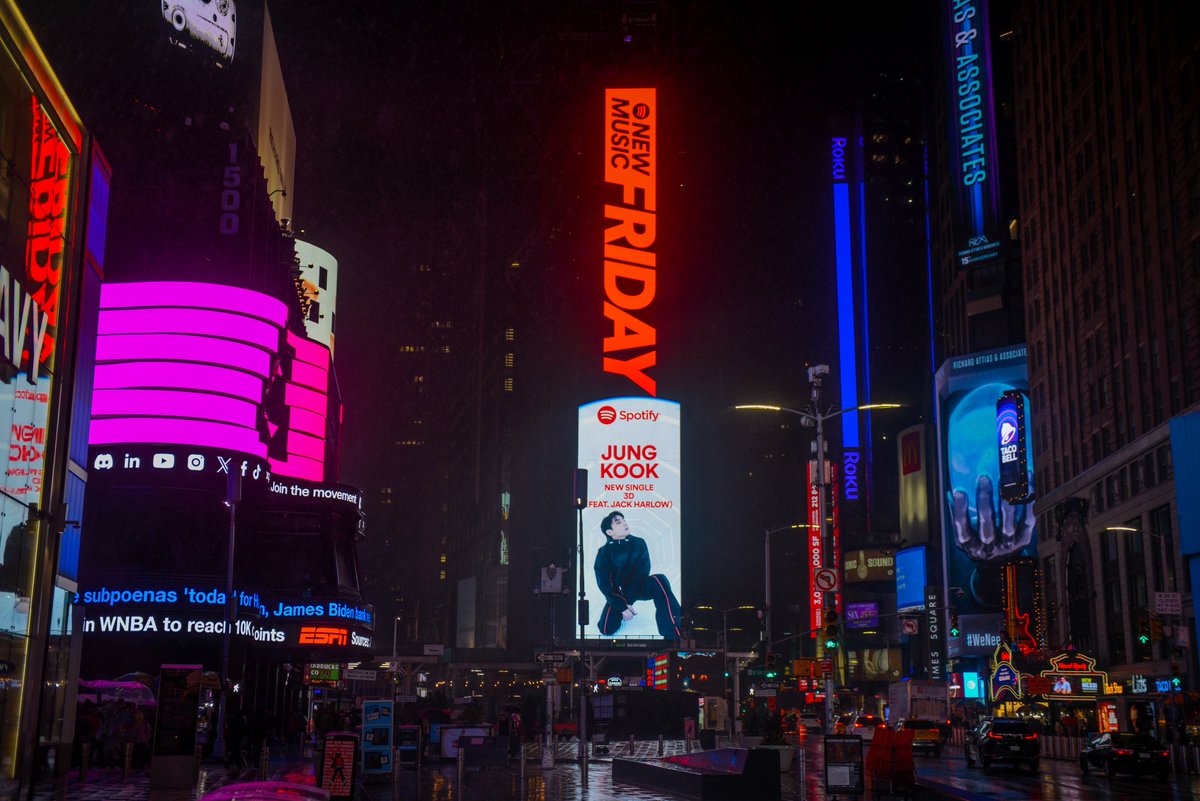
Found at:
<point>581,495</point>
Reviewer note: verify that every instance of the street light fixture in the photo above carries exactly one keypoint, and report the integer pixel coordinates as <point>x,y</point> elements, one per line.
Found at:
<point>737,685</point>
<point>1165,561</point>
<point>767,571</point>
<point>813,416</point>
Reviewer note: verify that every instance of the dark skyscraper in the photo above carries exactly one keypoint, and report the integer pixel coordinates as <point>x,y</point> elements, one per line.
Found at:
<point>1108,136</point>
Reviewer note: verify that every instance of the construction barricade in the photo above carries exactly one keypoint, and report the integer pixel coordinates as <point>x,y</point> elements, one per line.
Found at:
<point>890,762</point>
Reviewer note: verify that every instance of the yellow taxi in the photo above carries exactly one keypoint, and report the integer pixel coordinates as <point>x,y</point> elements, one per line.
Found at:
<point>927,734</point>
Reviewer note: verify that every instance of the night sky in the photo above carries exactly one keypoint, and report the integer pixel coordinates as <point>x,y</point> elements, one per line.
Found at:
<point>399,109</point>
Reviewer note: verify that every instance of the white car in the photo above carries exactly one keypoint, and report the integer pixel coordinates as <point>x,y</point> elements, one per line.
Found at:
<point>864,726</point>
<point>811,724</point>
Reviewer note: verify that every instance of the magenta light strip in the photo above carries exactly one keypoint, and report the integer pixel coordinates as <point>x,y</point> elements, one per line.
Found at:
<point>174,375</point>
<point>307,375</point>
<point>188,295</point>
<point>309,351</point>
<point>303,445</point>
<point>306,422</point>
<point>173,403</point>
<point>183,348</point>
<point>236,327</point>
<point>297,396</point>
<point>299,467</point>
<point>197,433</point>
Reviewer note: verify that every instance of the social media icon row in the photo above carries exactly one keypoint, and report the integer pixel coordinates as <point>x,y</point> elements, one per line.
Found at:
<point>160,461</point>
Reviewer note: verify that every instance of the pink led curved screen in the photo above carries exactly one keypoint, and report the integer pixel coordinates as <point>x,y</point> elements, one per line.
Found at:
<point>185,363</point>
<point>307,400</point>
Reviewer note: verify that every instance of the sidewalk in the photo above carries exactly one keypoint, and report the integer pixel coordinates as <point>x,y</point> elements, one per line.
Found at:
<point>438,780</point>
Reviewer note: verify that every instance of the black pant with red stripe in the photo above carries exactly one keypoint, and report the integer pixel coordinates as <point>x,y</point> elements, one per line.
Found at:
<point>654,587</point>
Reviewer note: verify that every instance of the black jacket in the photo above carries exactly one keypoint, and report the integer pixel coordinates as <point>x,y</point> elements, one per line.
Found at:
<point>621,564</point>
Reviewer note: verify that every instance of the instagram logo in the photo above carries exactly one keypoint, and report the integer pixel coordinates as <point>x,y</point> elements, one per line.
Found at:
<point>606,415</point>
<point>195,461</point>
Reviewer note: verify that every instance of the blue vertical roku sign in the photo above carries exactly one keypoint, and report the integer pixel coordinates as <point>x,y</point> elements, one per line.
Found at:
<point>977,220</point>
<point>850,272</point>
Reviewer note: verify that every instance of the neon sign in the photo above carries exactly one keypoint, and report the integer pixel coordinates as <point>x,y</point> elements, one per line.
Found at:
<point>1074,676</point>
<point>323,635</point>
<point>1005,677</point>
<point>973,128</point>
<point>816,604</point>
<point>630,262</point>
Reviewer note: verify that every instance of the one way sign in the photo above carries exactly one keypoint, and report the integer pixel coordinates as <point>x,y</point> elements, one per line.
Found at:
<point>553,657</point>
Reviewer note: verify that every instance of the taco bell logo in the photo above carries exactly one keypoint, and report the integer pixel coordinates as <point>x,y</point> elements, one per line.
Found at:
<point>1008,433</point>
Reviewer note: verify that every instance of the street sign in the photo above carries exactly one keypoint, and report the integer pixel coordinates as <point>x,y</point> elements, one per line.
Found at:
<point>825,579</point>
<point>434,650</point>
<point>910,626</point>
<point>551,657</point>
<point>1167,603</point>
<point>406,699</point>
<point>361,675</point>
<point>766,693</point>
<point>769,685</point>
<point>824,666</point>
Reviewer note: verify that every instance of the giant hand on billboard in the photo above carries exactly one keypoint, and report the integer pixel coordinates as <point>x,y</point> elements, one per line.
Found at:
<point>992,528</point>
<point>982,531</point>
<point>987,532</point>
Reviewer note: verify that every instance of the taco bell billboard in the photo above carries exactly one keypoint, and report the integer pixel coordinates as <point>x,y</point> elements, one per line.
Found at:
<point>630,448</point>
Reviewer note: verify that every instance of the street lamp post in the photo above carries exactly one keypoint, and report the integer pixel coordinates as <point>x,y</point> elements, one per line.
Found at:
<point>1166,566</point>
<point>737,683</point>
<point>813,416</point>
<point>395,668</point>
<point>767,582</point>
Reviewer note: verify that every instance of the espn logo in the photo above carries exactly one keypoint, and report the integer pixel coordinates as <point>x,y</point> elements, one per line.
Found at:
<point>322,635</point>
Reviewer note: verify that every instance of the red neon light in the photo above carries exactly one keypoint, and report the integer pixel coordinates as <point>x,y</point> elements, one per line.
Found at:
<point>323,635</point>
<point>45,246</point>
<point>630,263</point>
<point>815,555</point>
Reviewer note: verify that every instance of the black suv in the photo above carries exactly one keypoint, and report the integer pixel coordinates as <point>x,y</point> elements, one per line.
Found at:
<point>1122,752</point>
<point>1003,740</point>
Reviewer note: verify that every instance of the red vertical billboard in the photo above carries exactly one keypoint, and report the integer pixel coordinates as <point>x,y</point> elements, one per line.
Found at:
<point>630,233</point>
<point>817,598</point>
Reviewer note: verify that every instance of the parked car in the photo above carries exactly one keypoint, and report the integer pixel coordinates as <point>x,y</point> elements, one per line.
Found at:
<point>927,734</point>
<point>1006,740</point>
<point>865,726</point>
<point>1124,752</point>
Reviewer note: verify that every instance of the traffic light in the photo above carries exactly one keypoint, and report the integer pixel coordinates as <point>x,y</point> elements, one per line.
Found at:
<point>954,629</point>
<point>770,664</point>
<point>1144,632</point>
<point>832,631</point>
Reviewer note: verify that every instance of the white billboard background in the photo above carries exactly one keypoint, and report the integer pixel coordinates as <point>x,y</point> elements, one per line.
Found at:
<point>650,504</point>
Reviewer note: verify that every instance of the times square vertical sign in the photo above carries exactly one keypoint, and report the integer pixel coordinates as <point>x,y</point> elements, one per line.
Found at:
<point>630,444</point>
<point>976,194</point>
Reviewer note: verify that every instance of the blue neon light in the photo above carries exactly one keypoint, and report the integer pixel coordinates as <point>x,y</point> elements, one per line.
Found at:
<point>866,332</point>
<point>845,308</point>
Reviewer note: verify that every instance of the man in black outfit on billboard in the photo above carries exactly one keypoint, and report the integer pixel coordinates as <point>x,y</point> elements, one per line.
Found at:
<point>623,575</point>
